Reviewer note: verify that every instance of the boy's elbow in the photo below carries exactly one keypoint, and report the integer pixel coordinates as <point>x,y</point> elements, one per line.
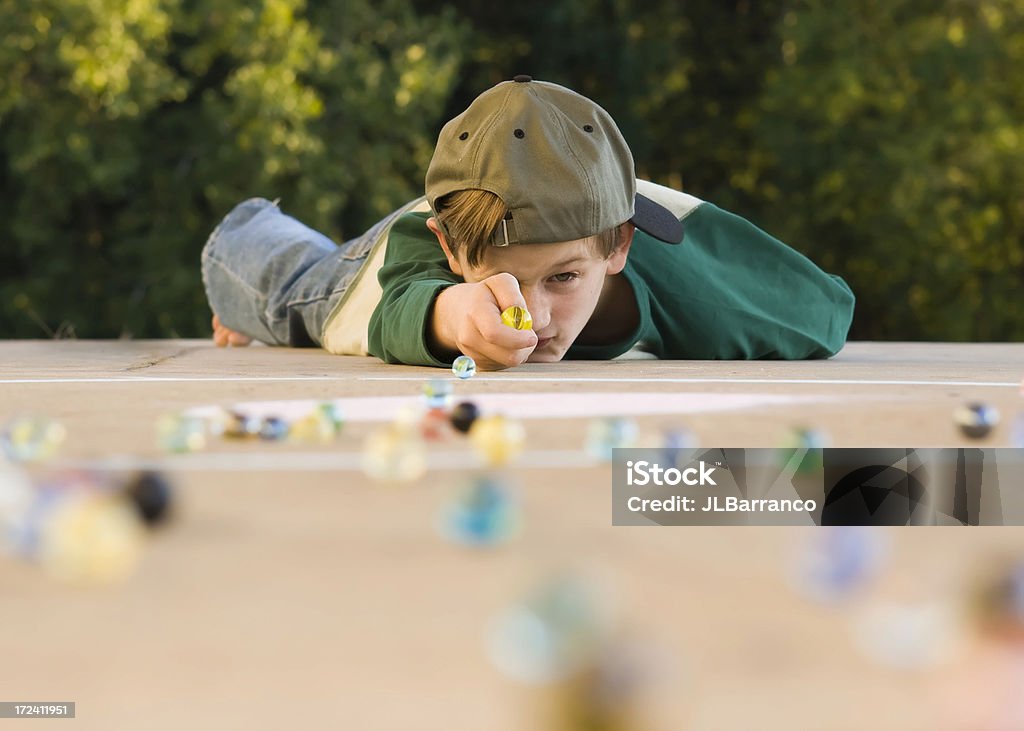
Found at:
<point>837,325</point>
<point>823,334</point>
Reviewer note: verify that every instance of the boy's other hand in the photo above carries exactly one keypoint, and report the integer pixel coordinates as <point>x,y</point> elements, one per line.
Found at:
<point>467,319</point>
<point>223,336</point>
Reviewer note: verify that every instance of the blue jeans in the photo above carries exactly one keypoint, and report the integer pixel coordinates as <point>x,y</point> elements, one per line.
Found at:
<point>271,277</point>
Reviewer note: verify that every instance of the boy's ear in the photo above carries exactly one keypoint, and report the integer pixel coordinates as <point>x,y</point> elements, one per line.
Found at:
<point>617,261</point>
<point>453,261</point>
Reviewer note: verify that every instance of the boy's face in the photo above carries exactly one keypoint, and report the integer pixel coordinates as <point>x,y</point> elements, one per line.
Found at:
<point>561,283</point>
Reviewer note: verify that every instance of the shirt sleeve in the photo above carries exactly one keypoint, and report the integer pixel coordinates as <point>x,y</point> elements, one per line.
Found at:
<point>414,273</point>
<point>731,291</point>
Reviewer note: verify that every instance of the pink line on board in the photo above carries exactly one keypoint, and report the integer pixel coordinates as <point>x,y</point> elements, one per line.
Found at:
<point>528,405</point>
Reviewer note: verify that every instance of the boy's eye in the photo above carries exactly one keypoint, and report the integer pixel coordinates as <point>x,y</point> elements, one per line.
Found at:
<point>565,277</point>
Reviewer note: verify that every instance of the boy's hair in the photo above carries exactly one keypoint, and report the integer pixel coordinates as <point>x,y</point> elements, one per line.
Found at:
<point>471,218</point>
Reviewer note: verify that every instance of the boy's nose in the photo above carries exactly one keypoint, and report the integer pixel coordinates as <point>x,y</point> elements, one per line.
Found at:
<point>539,310</point>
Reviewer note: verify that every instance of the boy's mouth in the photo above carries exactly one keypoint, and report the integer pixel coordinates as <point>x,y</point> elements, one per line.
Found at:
<point>541,342</point>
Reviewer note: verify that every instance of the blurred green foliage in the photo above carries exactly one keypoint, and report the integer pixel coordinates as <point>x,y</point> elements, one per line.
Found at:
<point>894,143</point>
<point>883,139</point>
<point>128,128</point>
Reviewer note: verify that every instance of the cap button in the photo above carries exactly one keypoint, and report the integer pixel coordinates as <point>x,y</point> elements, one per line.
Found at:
<point>522,78</point>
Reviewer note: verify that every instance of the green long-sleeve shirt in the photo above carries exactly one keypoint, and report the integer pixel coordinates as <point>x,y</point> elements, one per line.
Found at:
<point>730,291</point>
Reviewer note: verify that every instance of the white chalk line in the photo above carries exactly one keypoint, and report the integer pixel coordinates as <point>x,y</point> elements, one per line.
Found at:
<point>795,381</point>
<point>173,379</point>
<point>526,379</point>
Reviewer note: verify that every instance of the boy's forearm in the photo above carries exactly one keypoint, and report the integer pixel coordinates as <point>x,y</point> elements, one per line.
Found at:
<point>441,330</point>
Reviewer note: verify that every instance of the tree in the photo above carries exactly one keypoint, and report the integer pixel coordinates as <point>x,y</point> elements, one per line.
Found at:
<point>884,140</point>
<point>128,130</point>
<point>893,136</point>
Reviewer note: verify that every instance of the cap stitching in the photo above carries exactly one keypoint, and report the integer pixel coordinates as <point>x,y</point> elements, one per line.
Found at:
<point>583,169</point>
<point>477,178</point>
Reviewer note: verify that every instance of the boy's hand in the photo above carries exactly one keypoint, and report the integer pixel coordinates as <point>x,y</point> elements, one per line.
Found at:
<point>467,319</point>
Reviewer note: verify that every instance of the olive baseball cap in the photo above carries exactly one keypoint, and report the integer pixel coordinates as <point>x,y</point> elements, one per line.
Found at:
<point>555,158</point>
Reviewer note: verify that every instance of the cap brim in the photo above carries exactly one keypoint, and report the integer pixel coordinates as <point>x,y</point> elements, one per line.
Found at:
<point>656,220</point>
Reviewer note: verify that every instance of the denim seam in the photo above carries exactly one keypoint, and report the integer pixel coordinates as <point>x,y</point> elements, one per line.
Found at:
<point>245,285</point>
<point>310,300</point>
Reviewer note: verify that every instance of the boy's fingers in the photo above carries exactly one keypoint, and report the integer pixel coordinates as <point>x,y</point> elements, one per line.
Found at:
<point>505,289</point>
<point>507,338</point>
<point>502,345</point>
<point>481,333</point>
<point>487,327</point>
<point>490,358</point>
